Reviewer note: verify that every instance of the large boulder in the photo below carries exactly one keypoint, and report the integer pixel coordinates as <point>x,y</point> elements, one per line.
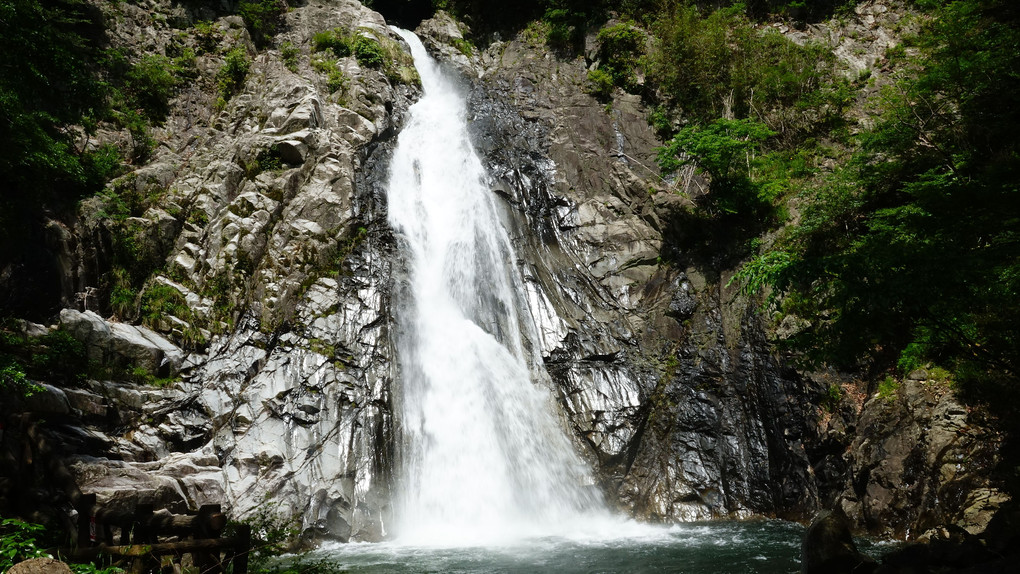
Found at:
<point>90,329</point>
<point>40,566</point>
<point>828,547</point>
<point>46,399</point>
<point>122,345</point>
<point>177,482</point>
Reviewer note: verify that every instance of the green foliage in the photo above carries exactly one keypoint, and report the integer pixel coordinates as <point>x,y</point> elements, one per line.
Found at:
<point>136,254</point>
<point>727,150</point>
<point>207,35</point>
<point>366,50</point>
<point>600,84</point>
<point>152,81</point>
<point>620,51</point>
<point>139,92</point>
<point>463,46</point>
<point>566,28</point>
<point>289,53</point>
<point>263,18</point>
<point>383,54</point>
<point>909,254</point>
<point>273,533</point>
<point>754,106</point>
<point>724,149</point>
<point>48,54</point>
<point>13,380</point>
<point>142,376</point>
<point>160,300</point>
<point>804,10</point>
<point>485,17</point>
<point>344,247</point>
<point>58,356</point>
<point>887,389</point>
<point>19,541</point>
<point>832,397</point>
<point>198,217</point>
<point>336,79</point>
<point>230,78</point>
<point>106,162</point>
<point>123,295</point>
<point>89,568</point>
<point>267,159</point>
<point>712,64</point>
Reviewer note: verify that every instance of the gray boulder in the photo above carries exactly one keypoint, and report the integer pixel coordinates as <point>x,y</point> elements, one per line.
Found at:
<point>122,345</point>
<point>40,566</point>
<point>46,400</point>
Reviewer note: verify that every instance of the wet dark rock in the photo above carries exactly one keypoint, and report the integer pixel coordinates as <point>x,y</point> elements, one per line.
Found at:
<point>919,460</point>
<point>951,549</point>
<point>45,400</point>
<point>828,547</point>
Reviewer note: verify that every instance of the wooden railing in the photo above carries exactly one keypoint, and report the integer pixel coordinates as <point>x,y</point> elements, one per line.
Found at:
<point>146,540</point>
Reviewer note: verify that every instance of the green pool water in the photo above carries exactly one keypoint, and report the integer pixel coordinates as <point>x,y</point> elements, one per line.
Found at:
<point>749,547</point>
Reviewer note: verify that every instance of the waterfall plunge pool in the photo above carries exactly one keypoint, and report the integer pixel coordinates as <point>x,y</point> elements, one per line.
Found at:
<point>725,547</point>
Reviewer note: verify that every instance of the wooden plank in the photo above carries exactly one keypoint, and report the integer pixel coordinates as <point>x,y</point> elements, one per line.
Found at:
<point>162,548</point>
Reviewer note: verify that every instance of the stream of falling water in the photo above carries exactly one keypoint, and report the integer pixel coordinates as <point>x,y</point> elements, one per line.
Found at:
<point>483,454</point>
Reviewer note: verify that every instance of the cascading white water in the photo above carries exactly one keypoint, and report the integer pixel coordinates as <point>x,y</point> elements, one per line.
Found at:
<point>484,457</point>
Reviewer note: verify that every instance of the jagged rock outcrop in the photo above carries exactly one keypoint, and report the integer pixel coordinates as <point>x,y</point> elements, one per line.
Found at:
<point>277,274</point>
<point>121,345</point>
<point>918,460</point>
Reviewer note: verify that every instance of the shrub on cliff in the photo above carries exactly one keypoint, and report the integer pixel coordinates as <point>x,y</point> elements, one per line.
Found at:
<point>366,50</point>
<point>263,18</point>
<point>230,78</point>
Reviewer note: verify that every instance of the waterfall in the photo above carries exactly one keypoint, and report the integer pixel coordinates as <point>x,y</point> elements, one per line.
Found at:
<point>483,454</point>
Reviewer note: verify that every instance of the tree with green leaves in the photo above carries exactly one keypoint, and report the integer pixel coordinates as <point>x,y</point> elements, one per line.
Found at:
<point>47,83</point>
<point>911,254</point>
<point>727,152</point>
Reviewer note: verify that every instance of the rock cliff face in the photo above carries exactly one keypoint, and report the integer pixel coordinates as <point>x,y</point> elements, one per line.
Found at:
<point>662,372</point>
<point>284,276</point>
